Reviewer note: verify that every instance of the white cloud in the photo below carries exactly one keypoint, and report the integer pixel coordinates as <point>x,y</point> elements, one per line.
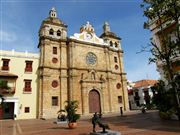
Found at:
<point>142,71</point>
<point>6,36</point>
<point>15,36</point>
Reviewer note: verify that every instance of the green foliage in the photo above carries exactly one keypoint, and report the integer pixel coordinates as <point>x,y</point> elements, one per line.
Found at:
<point>163,98</point>
<point>164,115</point>
<point>164,13</point>
<point>3,84</point>
<point>71,109</point>
<point>160,12</point>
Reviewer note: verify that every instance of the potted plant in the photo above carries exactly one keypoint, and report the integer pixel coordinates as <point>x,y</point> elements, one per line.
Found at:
<point>72,116</point>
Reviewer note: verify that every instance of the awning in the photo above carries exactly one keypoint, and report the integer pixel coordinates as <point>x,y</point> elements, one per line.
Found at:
<point>7,75</point>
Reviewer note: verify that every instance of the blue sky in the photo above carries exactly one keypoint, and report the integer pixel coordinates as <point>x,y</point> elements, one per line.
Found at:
<point>21,19</point>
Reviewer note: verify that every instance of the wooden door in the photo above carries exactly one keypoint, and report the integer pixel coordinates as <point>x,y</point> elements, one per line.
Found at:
<point>94,101</point>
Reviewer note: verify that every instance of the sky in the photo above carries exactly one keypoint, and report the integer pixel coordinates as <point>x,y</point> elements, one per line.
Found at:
<point>20,21</point>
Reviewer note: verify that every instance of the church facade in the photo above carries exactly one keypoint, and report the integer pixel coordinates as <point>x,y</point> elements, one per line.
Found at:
<point>82,67</point>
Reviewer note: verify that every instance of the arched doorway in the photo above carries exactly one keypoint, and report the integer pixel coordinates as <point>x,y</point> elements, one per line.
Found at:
<point>94,101</point>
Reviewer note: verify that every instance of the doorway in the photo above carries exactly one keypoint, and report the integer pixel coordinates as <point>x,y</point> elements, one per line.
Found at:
<point>94,101</point>
<point>8,110</point>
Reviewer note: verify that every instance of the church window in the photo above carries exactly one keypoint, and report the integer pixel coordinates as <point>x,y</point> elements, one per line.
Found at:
<point>54,101</point>
<point>118,85</point>
<point>28,67</point>
<point>115,59</point>
<point>27,85</point>
<point>54,84</point>
<point>116,67</point>
<point>54,60</point>
<point>116,45</point>
<point>54,50</point>
<point>5,65</point>
<point>119,99</point>
<point>58,33</point>
<point>91,58</point>
<point>51,32</point>
<point>111,43</point>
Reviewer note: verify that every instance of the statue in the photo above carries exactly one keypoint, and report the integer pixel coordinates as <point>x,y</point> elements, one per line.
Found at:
<point>96,120</point>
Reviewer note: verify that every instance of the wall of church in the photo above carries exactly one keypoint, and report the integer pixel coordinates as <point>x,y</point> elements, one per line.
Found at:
<point>52,73</point>
<point>82,82</point>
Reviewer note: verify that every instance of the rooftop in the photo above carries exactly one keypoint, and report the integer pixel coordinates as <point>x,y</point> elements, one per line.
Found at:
<point>144,83</point>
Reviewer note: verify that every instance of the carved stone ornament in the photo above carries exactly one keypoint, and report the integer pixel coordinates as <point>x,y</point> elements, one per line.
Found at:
<point>118,85</point>
<point>54,83</point>
<point>54,60</point>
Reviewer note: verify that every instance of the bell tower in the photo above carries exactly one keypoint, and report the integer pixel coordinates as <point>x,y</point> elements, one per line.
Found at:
<point>114,43</point>
<point>52,65</point>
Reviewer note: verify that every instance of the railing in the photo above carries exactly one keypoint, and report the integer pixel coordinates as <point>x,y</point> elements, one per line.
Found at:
<point>10,90</point>
<point>5,68</point>
<point>28,69</point>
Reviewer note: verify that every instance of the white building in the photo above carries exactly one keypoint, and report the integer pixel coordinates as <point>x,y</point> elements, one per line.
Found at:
<point>140,93</point>
<point>18,78</point>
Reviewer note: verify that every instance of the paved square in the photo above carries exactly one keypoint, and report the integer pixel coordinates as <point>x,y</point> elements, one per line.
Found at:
<point>132,123</point>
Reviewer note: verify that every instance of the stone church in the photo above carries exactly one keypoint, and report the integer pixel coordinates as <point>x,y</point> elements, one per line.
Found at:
<point>82,67</point>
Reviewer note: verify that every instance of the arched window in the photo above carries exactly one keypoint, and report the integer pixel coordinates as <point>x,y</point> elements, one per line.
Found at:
<point>116,44</point>
<point>58,33</point>
<point>111,43</point>
<point>51,32</point>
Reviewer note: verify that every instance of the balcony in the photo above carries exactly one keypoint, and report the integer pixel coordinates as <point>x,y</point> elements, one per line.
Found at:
<point>8,90</point>
<point>7,83</point>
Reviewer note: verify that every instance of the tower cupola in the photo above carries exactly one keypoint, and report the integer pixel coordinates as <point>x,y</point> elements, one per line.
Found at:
<point>88,28</point>
<point>53,13</point>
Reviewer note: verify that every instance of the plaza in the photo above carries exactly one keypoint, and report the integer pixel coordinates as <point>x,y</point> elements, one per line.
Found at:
<point>55,54</point>
<point>131,123</point>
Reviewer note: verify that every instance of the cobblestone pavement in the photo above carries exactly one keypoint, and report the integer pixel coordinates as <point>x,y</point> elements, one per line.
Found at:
<point>132,123</point>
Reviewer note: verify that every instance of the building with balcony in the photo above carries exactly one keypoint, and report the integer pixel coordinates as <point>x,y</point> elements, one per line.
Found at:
<point>163,31</point>
<point>18,84</point>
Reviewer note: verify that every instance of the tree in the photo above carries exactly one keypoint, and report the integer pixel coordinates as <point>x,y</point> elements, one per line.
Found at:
<point>163,14</point>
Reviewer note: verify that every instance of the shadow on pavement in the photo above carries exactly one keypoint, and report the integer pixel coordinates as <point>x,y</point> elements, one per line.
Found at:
<point>59,128</point>
<point>149,120</point>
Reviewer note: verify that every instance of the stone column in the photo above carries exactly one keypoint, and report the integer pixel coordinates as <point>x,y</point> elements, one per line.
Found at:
<point>108,67</point>
<point>83,98</point>
<point>123,82</point>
